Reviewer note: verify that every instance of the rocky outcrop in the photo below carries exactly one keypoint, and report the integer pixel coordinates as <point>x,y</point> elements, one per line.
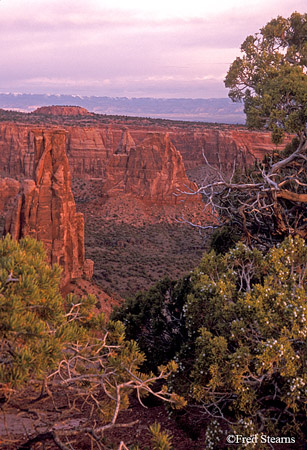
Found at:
<point>222,145</point>
<point>90,148</point>
<point>45,208</point>
<point>16,150</point>
<point>62,111</point>
<point>152,171</point>
<point>126,143</point>
<point>8,191</point>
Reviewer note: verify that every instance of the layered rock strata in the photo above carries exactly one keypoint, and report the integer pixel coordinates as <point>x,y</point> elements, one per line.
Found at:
<point>62,111</point>
<point>45,208</point>
<point>16,150</point>
<point>8,190</point>
<point>90,148</point>
<point>222,146</point>
<point>152,171</point>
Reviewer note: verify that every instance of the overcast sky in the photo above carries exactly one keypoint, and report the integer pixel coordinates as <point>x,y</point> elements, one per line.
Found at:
<point>127,48</point>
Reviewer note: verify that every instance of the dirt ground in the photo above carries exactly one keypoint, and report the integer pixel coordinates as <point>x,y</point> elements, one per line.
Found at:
<point>23,419</point>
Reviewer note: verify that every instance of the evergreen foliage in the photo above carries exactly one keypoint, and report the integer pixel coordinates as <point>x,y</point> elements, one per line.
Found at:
<point>155,320</point>
<point>244,322</point>
<point>223,239</point>
<point>268,202</point>
<point>67,346</point>
<point>244,360</point>
<point>31,312</point>
<point>161,440</point>
<point>271,78</point>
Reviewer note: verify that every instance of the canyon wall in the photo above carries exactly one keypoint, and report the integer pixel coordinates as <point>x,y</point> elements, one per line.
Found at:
<point>16,150</point>
<point>9,188</point>
<point>90,148</point>
<point>222,145</point>
<point>44,206</point>
<point>140,158</point>
<point>152,170</point>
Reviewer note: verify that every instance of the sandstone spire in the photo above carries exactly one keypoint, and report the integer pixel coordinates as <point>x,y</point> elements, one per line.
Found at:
<point>152,170</point>
<point>126,143</point>
<point>45,208</point>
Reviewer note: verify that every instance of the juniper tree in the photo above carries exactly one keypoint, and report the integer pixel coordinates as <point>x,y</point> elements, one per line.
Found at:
<point>244,362</point>
<point>271,78</point>
<point>267,202</point>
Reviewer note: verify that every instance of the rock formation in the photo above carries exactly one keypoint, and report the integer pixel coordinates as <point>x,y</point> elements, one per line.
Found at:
<point>126,143</point>
<point>141,158</point>
<point>125,172</point>
<point>45,208</point>
<point>16,150</point>
<point>62,111</point>
<point>89,148</point>
<point>152,171</point>
<point>222,145</point>
<point>8,191</point>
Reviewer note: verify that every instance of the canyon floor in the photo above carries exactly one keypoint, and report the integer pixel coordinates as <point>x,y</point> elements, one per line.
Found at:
<point>133,245</point>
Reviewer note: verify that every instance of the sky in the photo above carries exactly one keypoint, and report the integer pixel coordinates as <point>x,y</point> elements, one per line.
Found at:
<point>127,48</point>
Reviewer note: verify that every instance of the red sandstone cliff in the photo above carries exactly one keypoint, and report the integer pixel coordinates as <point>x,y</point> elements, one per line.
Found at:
<point>152,170</point>
<point>16,150</point>
<point>45,207</point>
<point>8,190</point>
<point>90,148</point>
<point>133,161</point>
<point>222,145</point>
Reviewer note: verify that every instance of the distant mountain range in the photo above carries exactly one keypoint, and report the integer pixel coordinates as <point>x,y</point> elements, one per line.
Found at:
<point>220,110</point>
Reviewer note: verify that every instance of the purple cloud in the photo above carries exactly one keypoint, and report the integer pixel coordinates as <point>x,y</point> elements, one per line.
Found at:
<point>87,48</point>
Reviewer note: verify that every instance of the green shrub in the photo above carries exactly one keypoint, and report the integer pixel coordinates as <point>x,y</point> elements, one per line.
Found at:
<point>65,344</point>
<point>224,238</point>
<point>161,440</point>
<point>244,359</point>
<point>31,312</point>
<point>155,320</point>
